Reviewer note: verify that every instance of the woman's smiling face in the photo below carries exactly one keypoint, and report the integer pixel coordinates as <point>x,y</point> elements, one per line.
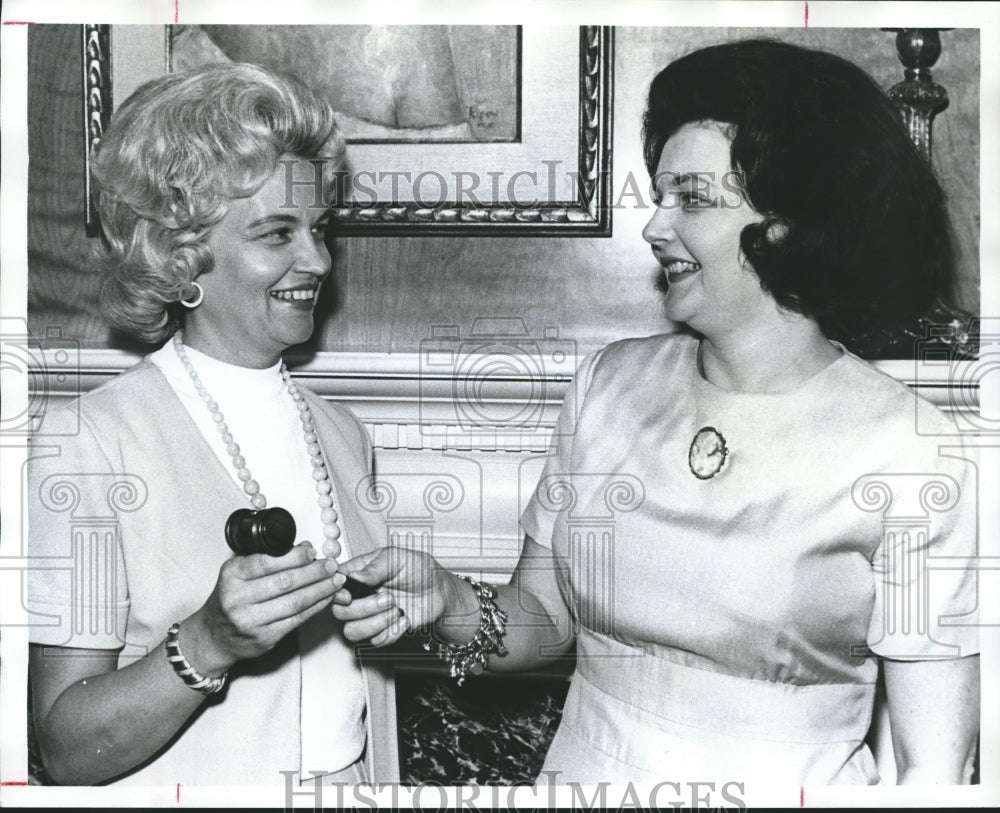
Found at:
<point>695,233</point>
<point>270,258</point>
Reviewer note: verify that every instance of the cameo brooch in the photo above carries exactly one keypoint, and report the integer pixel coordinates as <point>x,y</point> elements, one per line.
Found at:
<point>708,453</point>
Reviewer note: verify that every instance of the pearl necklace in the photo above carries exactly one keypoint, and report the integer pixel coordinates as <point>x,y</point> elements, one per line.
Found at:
<point>324,488</point>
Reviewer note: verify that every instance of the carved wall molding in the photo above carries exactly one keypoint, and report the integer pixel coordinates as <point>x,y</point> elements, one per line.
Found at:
<point>423,439</point>
<point>400,393</point>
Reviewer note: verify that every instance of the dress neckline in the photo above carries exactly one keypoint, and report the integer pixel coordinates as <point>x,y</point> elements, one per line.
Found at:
<point>223,380</point>
<point>694,365</point>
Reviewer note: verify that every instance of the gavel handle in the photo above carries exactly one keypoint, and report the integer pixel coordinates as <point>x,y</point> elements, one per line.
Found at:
<point>358,589</point>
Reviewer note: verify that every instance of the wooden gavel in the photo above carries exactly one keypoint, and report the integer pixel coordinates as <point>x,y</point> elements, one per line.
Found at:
<point>272,531</point>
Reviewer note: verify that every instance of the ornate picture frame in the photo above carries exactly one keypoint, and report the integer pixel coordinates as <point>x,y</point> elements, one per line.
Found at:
<point>555,180</point>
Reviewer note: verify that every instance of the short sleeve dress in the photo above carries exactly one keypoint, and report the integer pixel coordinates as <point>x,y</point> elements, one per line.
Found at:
<point>127,507</point>
<point>728,625</point>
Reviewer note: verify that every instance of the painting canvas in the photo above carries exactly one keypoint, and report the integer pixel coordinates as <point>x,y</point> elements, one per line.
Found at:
<point>386,83</point>
<point>451,130</point>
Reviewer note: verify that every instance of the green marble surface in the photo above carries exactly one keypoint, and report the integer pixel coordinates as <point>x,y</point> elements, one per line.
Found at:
<point>489,731</point>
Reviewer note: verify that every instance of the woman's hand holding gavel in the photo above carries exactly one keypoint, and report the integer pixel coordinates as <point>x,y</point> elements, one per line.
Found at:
<point>272,531</point>
<point>257,600</point>
<point>267,590</point>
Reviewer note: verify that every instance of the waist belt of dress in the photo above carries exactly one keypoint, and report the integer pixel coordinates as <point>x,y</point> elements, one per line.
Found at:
<point>724,704</point>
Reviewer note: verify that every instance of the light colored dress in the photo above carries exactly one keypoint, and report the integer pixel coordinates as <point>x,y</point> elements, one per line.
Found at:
<point>128,502</point>
<point>725,626</point>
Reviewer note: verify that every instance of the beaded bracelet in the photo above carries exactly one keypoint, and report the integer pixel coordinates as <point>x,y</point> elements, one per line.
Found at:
<point>191,676</point>
<point>471,657</point>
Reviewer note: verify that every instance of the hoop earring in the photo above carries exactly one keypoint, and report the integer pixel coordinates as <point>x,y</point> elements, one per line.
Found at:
<point>194,303</point>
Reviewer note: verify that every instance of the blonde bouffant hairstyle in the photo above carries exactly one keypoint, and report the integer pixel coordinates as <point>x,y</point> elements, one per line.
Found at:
<point>177,151</point>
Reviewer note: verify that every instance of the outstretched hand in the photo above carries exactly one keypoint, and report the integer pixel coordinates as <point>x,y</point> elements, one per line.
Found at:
<point>412,591</point>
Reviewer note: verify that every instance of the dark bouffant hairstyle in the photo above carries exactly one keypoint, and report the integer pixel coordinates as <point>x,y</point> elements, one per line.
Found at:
<point>863,237</point>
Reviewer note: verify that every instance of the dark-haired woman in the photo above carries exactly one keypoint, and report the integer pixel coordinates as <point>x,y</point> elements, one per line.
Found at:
<point>755,568</point>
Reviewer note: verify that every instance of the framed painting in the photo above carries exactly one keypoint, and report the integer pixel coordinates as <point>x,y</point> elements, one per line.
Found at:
<point>450,130</point>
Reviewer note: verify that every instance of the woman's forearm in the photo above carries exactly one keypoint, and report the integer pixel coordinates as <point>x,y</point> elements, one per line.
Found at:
<point>97,723</point>
<point>532,638</point>
<point>104,725</point>
<point>934,711</point>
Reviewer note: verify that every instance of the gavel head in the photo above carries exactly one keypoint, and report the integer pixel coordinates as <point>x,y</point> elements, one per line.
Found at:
<point>271,531</point>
